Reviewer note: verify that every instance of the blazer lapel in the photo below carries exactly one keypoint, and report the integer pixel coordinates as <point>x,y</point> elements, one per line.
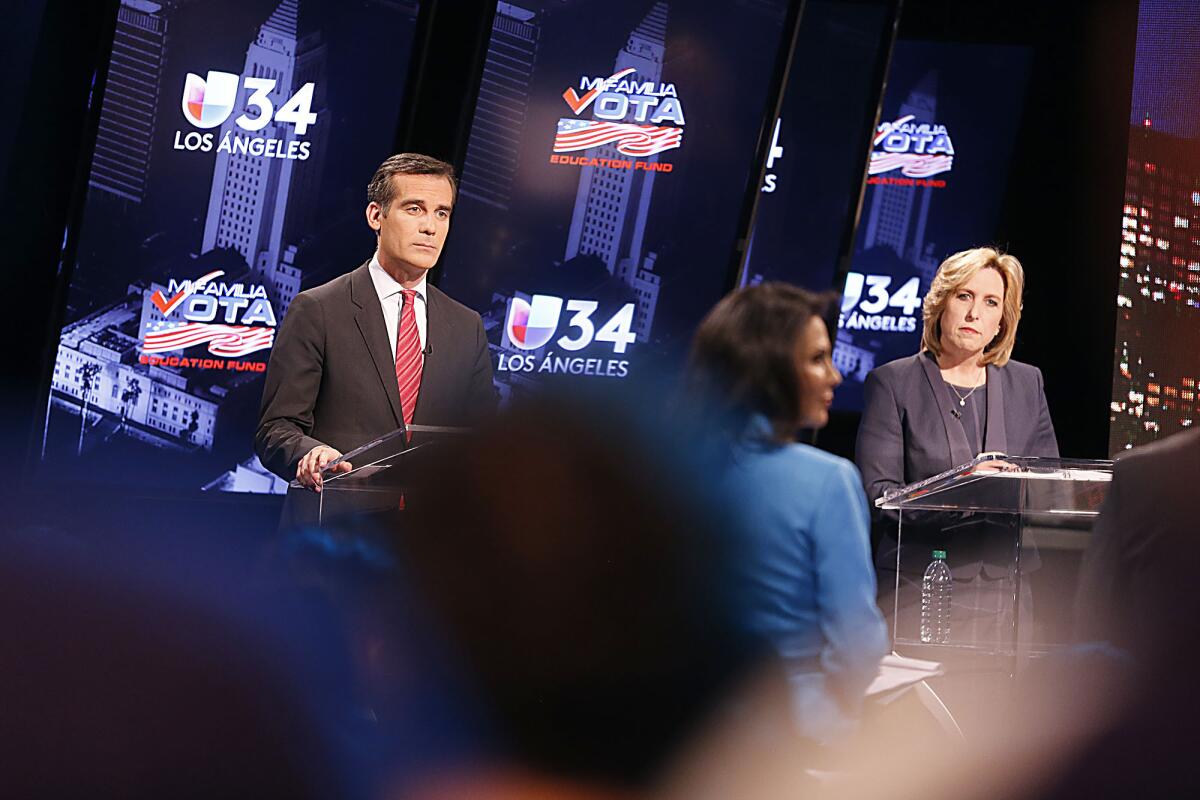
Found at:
<point>369,318</point>
<point>996,438</point>
<point>956,439</point>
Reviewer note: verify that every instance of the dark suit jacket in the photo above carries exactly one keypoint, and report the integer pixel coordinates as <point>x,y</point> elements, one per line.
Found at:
<point>1138,584</point>
<point>908,434</point>
<point>331,378</point>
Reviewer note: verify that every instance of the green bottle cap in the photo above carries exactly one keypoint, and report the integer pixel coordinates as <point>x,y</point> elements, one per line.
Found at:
<point>939,554</point>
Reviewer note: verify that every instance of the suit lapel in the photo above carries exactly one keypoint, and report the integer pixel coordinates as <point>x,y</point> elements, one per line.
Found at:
<point>956,438</point>
<point>369,318</point>
<point>996,439</point>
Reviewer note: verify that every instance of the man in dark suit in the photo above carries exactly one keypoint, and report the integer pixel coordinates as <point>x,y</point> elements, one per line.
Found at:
<point>377,348</point>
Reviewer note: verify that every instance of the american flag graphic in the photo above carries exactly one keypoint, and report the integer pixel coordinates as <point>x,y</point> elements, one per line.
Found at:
<point>913,165</point>
<point>227,341</point>
<point>630,139</point>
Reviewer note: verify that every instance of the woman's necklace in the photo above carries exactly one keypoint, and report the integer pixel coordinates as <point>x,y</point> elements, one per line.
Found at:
<point>962,398</point>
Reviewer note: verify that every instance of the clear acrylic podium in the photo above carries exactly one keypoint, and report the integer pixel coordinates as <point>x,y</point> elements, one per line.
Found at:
<point>1014,531</point>
<point>382,470</point>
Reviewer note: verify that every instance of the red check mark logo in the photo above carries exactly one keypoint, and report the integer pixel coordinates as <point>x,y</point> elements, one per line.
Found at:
<point>578,103</point>
<point>167,306</point>
<point>888,127</point>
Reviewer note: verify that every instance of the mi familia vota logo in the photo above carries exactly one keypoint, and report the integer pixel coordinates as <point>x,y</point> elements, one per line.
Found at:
<point>209,101</point>
<point>919,150</point>
<point>230,320</point>
<point>638,118</point>
<point>532,322</point>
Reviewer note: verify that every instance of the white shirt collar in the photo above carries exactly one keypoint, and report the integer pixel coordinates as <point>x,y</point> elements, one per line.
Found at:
<point>386,285</point>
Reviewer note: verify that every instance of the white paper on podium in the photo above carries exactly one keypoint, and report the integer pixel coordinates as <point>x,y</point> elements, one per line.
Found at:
<point>1089,475</point>
<point>897,672</point>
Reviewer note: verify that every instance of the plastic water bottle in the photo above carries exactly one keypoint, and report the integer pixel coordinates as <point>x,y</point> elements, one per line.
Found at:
<point>935,600</point>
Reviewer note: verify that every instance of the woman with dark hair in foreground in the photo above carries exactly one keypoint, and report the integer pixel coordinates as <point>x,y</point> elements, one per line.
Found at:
<point>761,367</point>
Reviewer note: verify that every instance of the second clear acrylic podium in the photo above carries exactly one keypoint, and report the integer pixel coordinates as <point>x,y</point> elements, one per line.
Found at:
<point>1013,531</point>
<point>382,472</point>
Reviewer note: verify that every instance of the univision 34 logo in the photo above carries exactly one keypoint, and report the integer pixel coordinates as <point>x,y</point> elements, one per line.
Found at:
<point>869,304</point>
<point>532,324</point>
<point>209,102</point>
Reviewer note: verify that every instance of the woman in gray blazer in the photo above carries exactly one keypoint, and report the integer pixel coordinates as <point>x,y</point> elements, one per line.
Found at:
<point>960,396</point>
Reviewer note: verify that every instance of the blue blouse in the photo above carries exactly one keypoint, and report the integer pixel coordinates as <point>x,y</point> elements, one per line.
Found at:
<point>809,580</point>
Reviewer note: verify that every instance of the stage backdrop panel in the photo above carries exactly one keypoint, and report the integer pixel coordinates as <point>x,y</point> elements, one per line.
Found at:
<point>936,180</point>
<point>1156,365</point>
<point>610,156</point>
<point>236,139</point>
<point>817,162</point>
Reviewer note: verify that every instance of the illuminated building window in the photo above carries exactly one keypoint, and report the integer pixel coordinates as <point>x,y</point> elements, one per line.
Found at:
<point>1163,244</point>
<point>1181,222</point>
<point>1145,211</point>
<point>1150,168</point>
<point>1196,198</point>
<point>1129,222</point>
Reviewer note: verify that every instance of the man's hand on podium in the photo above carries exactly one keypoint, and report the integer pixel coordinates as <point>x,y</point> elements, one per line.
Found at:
<point>308,471</point>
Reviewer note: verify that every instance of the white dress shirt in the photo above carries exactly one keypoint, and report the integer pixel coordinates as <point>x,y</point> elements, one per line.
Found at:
<point>389,291</point>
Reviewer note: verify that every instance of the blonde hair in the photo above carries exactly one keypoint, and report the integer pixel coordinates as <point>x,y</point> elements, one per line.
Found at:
<point>952,274</point>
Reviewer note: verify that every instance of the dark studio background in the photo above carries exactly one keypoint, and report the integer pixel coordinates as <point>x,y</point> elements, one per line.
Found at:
<point>1060,210</point>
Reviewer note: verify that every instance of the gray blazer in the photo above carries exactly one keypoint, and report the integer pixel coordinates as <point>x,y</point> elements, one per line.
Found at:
<point>331,378</point>
<point>908,434</point>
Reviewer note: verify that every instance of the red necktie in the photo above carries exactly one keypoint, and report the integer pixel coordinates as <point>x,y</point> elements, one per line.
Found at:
<point>408,356</point>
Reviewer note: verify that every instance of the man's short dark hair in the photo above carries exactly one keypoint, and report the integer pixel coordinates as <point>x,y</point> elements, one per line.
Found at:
<point>382,189</point>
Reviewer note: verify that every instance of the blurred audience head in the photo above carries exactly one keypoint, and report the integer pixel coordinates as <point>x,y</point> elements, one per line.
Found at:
<point>579,566</point>
<point>133,676</point>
